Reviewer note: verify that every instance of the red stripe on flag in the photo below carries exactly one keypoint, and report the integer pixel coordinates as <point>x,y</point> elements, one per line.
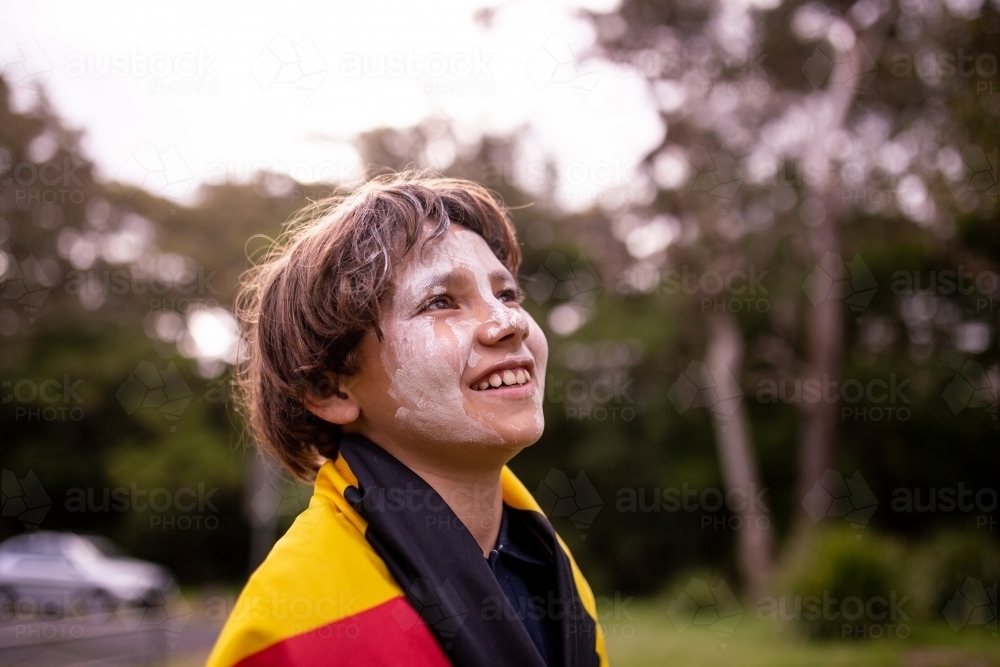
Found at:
<point>388,635</point>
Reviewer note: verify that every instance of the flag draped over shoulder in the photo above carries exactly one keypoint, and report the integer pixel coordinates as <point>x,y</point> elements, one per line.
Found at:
<point>379,571</point>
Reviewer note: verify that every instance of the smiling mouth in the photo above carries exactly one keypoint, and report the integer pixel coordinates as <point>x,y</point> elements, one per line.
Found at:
<point>511,377</point>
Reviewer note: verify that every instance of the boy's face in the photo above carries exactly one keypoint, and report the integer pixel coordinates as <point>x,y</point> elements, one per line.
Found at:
<point>461,363</point>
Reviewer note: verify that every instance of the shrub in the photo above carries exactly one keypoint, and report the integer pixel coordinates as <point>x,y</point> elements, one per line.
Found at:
<point>844,585</point>
<point>943,564</point>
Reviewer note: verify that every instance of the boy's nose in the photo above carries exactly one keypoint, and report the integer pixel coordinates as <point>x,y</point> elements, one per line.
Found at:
<point>501,323</point>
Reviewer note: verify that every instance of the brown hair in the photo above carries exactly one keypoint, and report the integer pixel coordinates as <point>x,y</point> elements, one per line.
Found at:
<point>304,309</point>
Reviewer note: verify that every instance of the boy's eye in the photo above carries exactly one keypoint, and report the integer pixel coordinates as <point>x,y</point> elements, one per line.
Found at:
<point>438,303</point>
<point>512,295</point>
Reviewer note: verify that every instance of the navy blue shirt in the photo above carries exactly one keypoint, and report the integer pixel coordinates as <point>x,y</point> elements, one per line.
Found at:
<point>525,570</point>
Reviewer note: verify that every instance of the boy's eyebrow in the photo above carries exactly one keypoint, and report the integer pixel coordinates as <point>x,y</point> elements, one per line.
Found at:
<point>440,280</point>
<point>447,279</point>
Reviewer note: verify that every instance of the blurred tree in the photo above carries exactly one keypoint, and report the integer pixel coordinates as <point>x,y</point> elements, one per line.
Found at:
<point>789,122</point>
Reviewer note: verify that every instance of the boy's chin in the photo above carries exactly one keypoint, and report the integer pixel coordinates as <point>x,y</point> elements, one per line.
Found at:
<point>509,435</point>
<point>518,434</point>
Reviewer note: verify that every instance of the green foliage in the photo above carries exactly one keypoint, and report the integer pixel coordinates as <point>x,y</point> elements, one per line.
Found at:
<point>647,637</point>
<point>659,445</point>
<point>843,570</point>
<point>943,563</point>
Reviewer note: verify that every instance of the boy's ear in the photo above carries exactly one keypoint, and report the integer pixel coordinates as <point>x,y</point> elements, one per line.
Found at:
<point>340,407</point>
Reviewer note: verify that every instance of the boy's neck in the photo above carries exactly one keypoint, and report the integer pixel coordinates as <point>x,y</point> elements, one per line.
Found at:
<point>475,499</point>
<point>473,495</point>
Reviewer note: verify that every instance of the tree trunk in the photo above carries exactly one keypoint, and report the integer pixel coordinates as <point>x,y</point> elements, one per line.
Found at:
<point>825,343</point>
<point>737,459</point>
<point>825,329</point>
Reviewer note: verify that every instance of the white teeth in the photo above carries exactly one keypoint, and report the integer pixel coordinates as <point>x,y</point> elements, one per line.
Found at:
<point>510,377</point>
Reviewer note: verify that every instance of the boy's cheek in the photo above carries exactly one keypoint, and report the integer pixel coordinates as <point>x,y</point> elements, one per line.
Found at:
<point>539,347</point>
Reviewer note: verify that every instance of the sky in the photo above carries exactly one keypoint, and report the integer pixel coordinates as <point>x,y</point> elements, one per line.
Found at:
<point>171,95</point>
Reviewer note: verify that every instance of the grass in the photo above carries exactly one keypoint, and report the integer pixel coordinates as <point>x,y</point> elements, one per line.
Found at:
<point>650,638</point>
<point>644,636</point>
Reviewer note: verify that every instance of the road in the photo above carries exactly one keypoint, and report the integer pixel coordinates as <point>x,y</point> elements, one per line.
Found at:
<point>111,639</point>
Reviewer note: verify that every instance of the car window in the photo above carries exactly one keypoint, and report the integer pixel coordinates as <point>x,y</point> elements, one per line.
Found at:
<point>105,546</point>
<point>42,544</point>
<point>43,568</point>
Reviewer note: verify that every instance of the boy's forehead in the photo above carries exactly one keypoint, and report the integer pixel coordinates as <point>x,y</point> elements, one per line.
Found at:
<point>458,248</point>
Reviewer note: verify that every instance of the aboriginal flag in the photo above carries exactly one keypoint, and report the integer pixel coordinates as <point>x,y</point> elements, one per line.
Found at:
<point>379,571</point>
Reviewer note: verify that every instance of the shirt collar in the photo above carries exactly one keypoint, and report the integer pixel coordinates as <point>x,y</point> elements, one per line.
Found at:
<point>517,540</point>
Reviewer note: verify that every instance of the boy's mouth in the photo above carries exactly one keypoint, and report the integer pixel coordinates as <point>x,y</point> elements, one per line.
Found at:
<point>507,377</point>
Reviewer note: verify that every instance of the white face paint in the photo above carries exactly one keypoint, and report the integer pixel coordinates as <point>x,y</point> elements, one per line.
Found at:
<point>453,323</point>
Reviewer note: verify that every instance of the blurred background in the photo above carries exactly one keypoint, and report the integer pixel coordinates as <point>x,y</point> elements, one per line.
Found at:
<point>762,238</point>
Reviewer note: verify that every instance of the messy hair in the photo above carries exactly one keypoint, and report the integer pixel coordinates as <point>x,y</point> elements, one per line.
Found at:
<point>306,306</point>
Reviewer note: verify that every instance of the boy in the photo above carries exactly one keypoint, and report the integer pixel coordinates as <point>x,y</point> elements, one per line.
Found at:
<point>388,359</point>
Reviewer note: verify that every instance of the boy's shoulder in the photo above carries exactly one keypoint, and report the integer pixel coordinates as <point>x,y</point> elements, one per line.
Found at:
<point>320,582</point>
<point>321,555</point>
